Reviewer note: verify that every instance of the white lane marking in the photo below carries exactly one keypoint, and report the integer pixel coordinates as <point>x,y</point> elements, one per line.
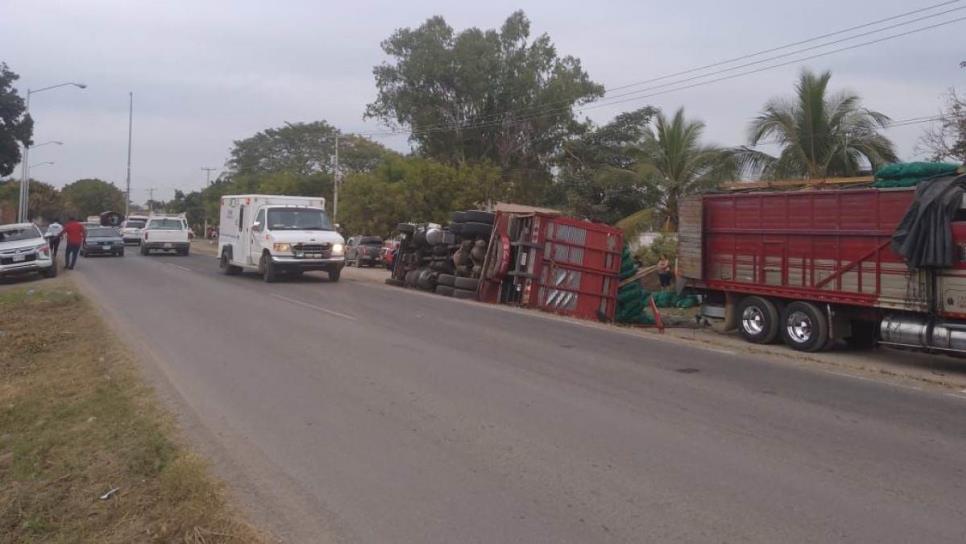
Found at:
<point>314,307</point>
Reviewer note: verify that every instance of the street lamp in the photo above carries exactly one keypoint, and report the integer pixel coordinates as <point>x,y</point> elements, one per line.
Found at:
<point>47,143</point>
<point>39,164</point>
<point>25,168</point>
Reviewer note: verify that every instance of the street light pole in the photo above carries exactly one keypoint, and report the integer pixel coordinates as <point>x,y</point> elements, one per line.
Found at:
<point>130,128</point>
<point>22,214</point>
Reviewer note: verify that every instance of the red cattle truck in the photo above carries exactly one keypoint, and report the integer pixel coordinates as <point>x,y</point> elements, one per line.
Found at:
<point>815,266</point>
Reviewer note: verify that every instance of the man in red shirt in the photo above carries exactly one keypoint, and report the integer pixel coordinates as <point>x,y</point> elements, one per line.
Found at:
<point>75,233</point>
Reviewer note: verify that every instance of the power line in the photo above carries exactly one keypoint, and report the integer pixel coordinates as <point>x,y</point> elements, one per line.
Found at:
<point>546,110</point>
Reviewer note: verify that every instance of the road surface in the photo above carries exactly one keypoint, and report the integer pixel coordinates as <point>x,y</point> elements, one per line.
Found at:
<point>356,412</point>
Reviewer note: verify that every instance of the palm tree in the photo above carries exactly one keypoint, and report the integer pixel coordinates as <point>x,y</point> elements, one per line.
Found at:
<point>678,164</point>
<point>821,134</point>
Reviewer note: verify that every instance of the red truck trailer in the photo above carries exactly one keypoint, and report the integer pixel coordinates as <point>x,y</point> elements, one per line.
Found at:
<point>817,266</point>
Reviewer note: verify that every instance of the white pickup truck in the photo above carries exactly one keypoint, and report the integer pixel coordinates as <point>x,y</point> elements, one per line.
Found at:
<point>276,235</point>
<point>165,233</point>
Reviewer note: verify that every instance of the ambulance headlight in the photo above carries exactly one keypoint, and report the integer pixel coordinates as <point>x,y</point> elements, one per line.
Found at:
<point>282,248</point>
<point>337,249</point>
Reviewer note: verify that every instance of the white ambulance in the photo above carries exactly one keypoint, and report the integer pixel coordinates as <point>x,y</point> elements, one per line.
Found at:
<point>275,235</point>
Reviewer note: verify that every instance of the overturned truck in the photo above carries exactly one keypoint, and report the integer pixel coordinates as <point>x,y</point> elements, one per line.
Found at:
<point>516,255</point>
<point>865,265</point>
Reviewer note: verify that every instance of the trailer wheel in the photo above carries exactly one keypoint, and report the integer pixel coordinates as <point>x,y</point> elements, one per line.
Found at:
<point>445,290</point>
<point>479,216</point>
<point>758,320</point>
<point>445,280</point>
<point>464,294</point>
<point>469,284</point>
<point>805,327</point>
<point>476,229</point>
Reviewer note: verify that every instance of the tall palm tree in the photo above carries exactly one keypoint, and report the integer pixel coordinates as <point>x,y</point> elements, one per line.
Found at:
<point>678,164</point>
<point>821,134</point>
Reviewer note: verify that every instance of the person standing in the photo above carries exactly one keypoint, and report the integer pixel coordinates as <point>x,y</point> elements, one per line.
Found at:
<point>75,233</point>
<point>54,231</point>
<point>664,272</point>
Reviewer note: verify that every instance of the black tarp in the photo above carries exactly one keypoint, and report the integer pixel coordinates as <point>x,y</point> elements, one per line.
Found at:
<point>924,236</point>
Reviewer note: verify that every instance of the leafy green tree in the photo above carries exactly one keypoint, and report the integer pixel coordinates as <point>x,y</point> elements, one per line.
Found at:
<point>45,200</point>
<point>600,171</point>
<point>16,127</point>
<point>478,96</point>
<point>678,164</point>
<point>822,134</point>
<point>413,189</point>
<point>87,197</point>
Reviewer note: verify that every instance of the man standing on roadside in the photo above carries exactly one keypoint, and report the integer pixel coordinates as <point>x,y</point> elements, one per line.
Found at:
<point>75,233</point>
<point>54,230</point>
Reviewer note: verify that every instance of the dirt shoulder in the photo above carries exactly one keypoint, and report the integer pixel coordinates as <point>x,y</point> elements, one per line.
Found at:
<point>86,454</point>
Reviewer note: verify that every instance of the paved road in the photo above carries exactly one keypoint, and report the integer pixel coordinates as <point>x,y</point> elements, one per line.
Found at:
<point>354,412</point>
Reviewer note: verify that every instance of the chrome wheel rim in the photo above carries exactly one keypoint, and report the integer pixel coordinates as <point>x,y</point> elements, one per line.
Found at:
<point>753,320</point>
<point>800,327</point>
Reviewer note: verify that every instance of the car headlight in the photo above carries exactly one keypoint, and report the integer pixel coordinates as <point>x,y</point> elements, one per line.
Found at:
<point>282,248</point>
<point>337,249</point>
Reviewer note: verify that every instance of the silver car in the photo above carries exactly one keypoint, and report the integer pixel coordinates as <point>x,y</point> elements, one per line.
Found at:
<point>23,249</point>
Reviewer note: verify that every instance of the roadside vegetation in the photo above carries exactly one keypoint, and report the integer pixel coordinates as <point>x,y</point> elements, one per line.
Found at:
<point>85,453</point>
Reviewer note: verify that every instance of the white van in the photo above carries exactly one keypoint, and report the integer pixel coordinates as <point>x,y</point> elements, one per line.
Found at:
<point>275,234</point>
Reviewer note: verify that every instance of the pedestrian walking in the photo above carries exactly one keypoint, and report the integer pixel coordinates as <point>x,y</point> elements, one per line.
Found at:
<point>664,272</point>
<point>53,234</point>
<point>75,233</point>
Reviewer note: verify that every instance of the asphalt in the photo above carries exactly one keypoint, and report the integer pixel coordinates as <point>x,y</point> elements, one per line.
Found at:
<point>355,412</point>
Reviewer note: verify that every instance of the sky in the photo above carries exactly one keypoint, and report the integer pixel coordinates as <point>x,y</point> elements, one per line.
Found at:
<point>205,73</point>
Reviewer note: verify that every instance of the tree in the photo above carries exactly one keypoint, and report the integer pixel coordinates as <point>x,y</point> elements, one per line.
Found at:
<point>16,126</point>
<point>413,189</point>
<point>821,134</point>
<point>678,164</point>
<point>477,95</point>
<point>87,197</point>
<point>600,173</point>
<point>45,200</point>
<point>303,149</point>
<point>946,140</point>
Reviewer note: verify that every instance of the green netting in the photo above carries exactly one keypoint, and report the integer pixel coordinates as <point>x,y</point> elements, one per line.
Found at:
<point>908,174</point>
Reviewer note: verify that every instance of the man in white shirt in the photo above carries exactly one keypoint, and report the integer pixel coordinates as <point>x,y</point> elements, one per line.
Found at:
<point>54,231</point>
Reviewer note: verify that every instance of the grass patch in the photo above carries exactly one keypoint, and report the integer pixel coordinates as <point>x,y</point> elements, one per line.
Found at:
<point>76,422</point>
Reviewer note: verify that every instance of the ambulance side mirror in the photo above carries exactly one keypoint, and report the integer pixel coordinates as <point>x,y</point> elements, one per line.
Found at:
<point>256,226</point>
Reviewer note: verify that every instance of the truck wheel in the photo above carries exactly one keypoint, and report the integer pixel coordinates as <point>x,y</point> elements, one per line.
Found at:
<point>804,327</point>
<point>225,264</point>
<point>446,280</point>
<point>464,294</point>
<point>479,216</point>
<point>334,274</point>
<point>267,269</point>
<point>475,229</point>
<point>469,284</point>
<point>758,320</point>
<point>444,290</point>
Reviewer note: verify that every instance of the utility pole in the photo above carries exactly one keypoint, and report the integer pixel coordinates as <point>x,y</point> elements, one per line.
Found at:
<point>130,127</point>
<point>335,189</point>
<point>208,172</point>
<point>150,200</point>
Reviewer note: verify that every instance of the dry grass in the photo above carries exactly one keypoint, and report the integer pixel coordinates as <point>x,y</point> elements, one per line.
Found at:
<point>76,422</point>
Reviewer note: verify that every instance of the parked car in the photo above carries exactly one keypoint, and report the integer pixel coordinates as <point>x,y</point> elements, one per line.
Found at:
<point>23,249</point>
<point>165,233</point>
<point>131,229</point>
<point>363,251</point>
<point>103,241</point>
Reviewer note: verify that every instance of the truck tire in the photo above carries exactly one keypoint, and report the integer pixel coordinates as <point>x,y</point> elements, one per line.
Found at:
<point>804,327</point>
<point>470,230</point>
<point>447,280</point>
<point>267,268</point>
<point>479,216</point>
<point>469,284</point>
<point>464,294</point>
<point>458,217</point>
<point>758,320</point>
<point>445,290</point>
<point>225,264</point>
